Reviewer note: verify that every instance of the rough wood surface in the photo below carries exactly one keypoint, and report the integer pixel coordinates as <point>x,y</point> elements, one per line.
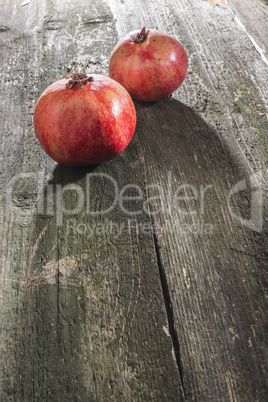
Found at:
<point>82,314</point>
<point>174,307</point>
<point>254,16</point>
<point>217,281</point>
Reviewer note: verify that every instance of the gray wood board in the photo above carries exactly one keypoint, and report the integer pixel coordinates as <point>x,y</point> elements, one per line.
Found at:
<point>215,136</point>
<point>254,17</point>
<point>96,317</point>
<point>83,316</point>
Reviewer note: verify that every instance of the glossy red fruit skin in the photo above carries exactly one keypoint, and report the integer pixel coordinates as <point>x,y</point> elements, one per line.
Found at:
<point>86,125</point>
<point>150,70</point>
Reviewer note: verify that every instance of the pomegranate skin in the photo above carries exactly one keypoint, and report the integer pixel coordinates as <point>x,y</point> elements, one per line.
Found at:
<point>150,70</point>
<point>86,125</point>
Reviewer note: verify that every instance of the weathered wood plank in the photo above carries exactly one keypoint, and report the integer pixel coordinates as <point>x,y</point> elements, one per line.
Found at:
<point>217,280</point>
<point>215,267</point>
<point>226,75</point>
<point>254,16</point>
<point>83,316</point>
<point>82,311</point>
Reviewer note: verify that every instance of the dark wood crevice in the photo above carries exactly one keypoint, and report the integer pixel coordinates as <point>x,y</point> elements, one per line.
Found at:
<point>169,309</point>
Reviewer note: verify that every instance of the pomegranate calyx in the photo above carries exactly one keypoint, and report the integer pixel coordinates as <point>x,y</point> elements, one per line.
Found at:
<point>78,79</point>
<point>141,36</point>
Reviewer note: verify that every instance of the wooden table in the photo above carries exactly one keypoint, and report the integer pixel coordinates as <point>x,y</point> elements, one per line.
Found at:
<point>159,297</point>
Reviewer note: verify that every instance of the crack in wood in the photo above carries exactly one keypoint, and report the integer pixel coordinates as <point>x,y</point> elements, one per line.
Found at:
<point>254,43</point>
<point>4,28</point>
<point>98,20</point>
<point>53,24</point>
<point>170,315</point>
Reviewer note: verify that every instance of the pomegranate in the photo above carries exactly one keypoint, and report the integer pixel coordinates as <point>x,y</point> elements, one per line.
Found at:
<point>149,64</point>
<point>84,120</point>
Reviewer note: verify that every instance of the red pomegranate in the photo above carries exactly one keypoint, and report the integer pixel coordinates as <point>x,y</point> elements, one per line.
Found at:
<point>150,65</point>
<point>84,120</point>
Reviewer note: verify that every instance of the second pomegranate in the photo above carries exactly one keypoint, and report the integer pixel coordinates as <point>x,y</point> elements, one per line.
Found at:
<point>149,64</point>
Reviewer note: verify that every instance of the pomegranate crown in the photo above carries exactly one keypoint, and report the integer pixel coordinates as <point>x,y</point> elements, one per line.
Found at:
<point>78,79</point>
<point>141,36</point>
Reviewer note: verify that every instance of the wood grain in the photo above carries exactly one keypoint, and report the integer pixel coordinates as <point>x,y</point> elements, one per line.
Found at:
<point>174,306</point>
<point>82,311</point>
<point>214,267</point>
<point>253,15</point>
<point>217,282</point>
